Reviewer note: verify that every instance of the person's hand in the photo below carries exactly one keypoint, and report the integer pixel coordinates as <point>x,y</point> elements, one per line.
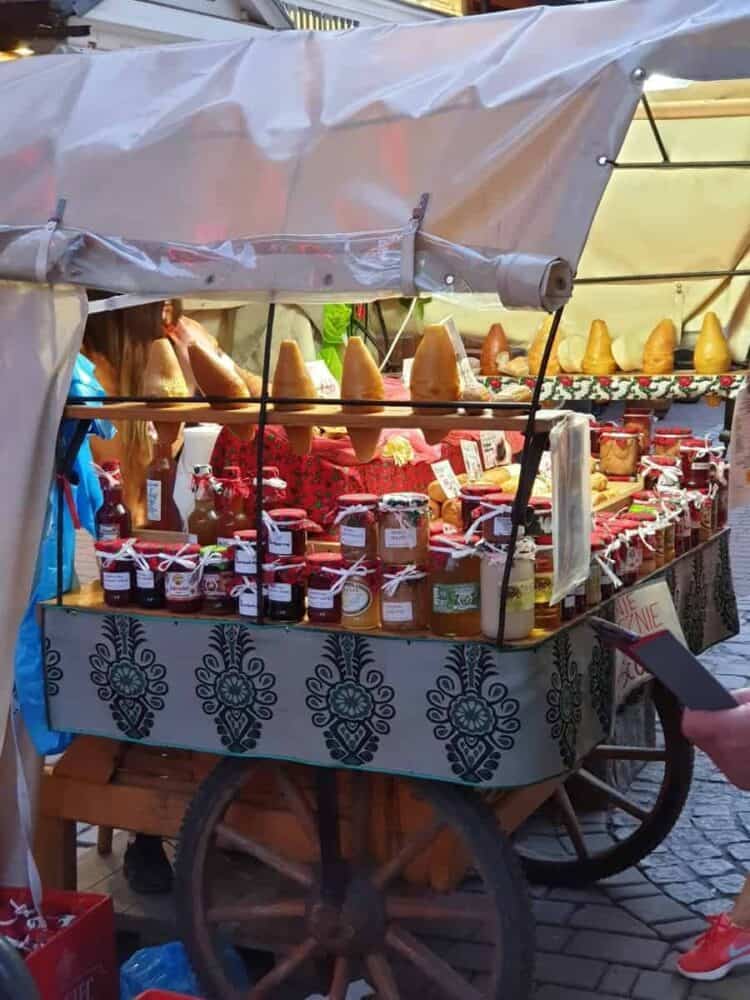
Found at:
<point>725,737</point>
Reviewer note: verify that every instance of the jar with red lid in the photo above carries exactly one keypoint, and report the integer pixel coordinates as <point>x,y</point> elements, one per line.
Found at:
<point>619,453</point>
<point>357,520</point>
<point>696,464</point>
<point>245,552</point>
<point>149,579</point>
<point>182,578</point>
<point>668,519</point>
<point>285,580</point>
<point>245,592</point>
<point>642,421</point>
<point>273,492</point>
<point>632,567</point>
<point>706,528</point>
<point>539,520</point>
<point>595,434</point>
<point>286,532</point>
<point>217,580</point>
<point>660,471</point>
<point>652,544</point>
<point>323,595</point>
<point>494,518</point>
<point>667,440</point>
<point>471,495</point>
<point>116,571</point>
<point>644,500</point>
<point>695,501</point>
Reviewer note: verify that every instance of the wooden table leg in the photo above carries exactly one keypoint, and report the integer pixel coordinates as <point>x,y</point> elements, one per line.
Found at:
<point>55,852</point>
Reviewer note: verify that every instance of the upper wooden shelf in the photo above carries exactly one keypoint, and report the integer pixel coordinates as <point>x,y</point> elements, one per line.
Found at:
<point>322,415</point>
<point>680,386</point>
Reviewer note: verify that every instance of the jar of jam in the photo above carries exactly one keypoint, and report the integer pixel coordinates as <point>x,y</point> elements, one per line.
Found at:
<point>494,518</point>
<point>695,500</point>
<point>404,528</point>
<point>149,580</point>
<point>360,599</point>
<point>683,523</point>
<point>357,518</point>
<point>323,594</point>
<point>652,534</point>
<point>609,576</point>
<point>539,520</point>
<point>245,592</point>
<point>286,532</point>
<point>217,580</point>
<point>706,528</point>
<point>644,500</point>
<point>594,582</point>
<point>668,520</point>
<point>182,578</point>
<point>696,464</point>
<point>631,567</point>
<point>285,580</point>
<point>661,471</point>
<point>596,433</point>
<point>455,590</point>
<point>667,440</point>
<point>273,492</point>
<point>404,601</point>
<point>619,454</point>
<point>245,552</point>
<point>471,494</point>
<point>116,571</point>
<point>546,615</point>
<point>641,421</point>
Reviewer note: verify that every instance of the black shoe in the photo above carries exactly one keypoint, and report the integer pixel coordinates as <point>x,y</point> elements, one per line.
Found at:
<point>146,867</point>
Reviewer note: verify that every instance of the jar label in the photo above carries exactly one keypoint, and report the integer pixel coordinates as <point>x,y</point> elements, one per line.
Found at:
<point>244,562</point>
<point>356,598</point>
<point>248,604</point>
<point>633,558</point>
<point>502,525</point>
<point>355,537</point>
<point>109,532</point>
<point>228,543</point>
<point>116,581</point>
<point>321,600</point>
<point>144,579</point>
<point>542,589</point>
<point>455,598</point>
<point>193,539</point>
<point>216,584</point>
<point>181,586</point>
<point>281,592</point>
<point>520,596</point>
<point>280,543</point>
<point>569,601</point>
<point>400,538</point>
<point>398,611</point>
<point>153,499</point>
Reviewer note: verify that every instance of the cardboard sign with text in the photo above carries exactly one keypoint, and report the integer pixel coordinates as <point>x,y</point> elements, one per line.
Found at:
<point>646,610</point>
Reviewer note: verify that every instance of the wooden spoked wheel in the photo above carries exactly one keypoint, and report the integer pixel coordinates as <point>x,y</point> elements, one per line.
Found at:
<point>616,807</point>
<point>354,909</point>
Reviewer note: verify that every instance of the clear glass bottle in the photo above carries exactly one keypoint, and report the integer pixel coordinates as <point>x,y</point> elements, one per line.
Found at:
<point>203,522</point>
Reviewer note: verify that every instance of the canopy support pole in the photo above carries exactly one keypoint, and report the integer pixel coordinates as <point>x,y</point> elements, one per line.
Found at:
<point>260,448</point>
<point>620,279</point>
<point>655,129</point>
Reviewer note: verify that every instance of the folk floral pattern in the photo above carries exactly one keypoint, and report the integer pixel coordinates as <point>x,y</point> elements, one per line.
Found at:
<point>693,617</point>
<point>472,713</point>
<point>601,388</point>
<point>235,688</point>
<point>52,670</point>
<point>126,674</point>
<point>565,699</point>
<point>349,700</point>
<point>723,590</point>
<point>601,681</point>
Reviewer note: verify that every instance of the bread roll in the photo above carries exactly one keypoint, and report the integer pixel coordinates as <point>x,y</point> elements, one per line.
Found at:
<point>292,379</point>
<point>434,375</point>
<point>362,380</point>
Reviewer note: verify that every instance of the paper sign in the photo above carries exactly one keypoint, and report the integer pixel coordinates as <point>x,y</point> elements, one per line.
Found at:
<point>472,461</point>
<point>643,611</point>
<point>488,441</point>
<point>447,479</point>
<point>465,372</point>
<point>406,373</point>
<point>739,472</point>
<point>326,385</point>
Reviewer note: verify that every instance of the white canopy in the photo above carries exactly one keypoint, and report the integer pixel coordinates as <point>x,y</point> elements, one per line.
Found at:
<point>290,165</point>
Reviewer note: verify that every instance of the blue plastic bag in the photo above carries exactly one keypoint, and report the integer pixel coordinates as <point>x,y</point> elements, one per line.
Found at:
<point>164,967</point>
<point>87,497</point>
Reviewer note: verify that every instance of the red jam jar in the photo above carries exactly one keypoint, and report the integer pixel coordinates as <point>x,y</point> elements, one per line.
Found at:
<point>471,496</point>
<point>245,552</point>
<point>706,527</point>
<point>539,520</point>
<point>667,440</point>
<point>641,421</point>
<point>649,522</point>
<point>696,464</point>
<point>323,605</point>
<point>116,572</point>
<point>357,521</point>
<point>273,492</point>
<point>661,470</point>
<point>217,581</point>
<point>149,579</point>
<point>595,434</point>
<point>182,585</point>
<point>619,454</point>
<point>496,513</point>
<point>290,536</point>
<point>285,579</point>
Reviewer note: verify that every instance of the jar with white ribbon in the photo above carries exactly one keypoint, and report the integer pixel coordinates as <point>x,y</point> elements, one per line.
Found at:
<point>519,605</point>
<point>404,602</point>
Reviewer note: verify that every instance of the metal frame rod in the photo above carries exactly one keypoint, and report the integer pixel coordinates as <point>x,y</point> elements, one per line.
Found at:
<point>259,452</point>
<point>655,129</point>
<point>620,279</point>
<point>683,165</point>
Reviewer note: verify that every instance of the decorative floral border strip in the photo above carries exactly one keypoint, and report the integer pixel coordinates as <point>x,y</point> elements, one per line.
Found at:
<point>682,386</point>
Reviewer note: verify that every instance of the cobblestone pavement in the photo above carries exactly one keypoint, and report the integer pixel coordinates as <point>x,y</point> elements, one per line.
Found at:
<point>621,937</point>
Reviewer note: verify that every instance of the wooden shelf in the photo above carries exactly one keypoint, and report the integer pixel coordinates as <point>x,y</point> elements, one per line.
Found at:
<point>322,415</point>
<point>679,386</point>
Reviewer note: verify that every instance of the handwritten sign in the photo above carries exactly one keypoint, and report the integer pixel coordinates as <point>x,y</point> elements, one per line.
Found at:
<point>489,441</point>
<point>646,610</point>
<point>326,386</point>
<point>447,478</point>
<point>472,461</point>
<point>406,372</point>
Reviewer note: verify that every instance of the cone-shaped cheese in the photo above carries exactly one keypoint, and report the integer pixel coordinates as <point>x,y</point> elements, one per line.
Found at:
<point>434,375</point>
<point>598,359</point>
<point>291,378</point>
<point>494,343</point>
<point>739,345</point>
<point>628,353</point>
<point>253,382</point>
<point>571,352</point>
<point>163,377</point>
<point>712,355</point>
<point>658,354</point>
<point>217,375</point>
<point>536,350</point>
<point>362,380</point>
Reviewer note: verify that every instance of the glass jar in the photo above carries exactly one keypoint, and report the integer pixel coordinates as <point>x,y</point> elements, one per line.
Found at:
<point>722,497</point>
<point>696,464</point>
<point>116,571</point>
<point>494,518</point>
<point>404,602</point>
<point>404,529</point>
<point>149,580</point>
<point>668,521</point>
<point>619,454</point>
<point>519,605</point>
<point>455,591</point>
<point>706,529</point>
<point>595,433</point>
<point>539,520</point>
<point>661,471</point>
<point>546,615</point>
<point>667,440</point>
<point>288,535</point>
<point>653,535</point>
<point>323,573</point>
<point>696,503</point>
<point>357,518</point>
<point>568,607</point>
<point>594,582</point>
<point>182,587</point>
<point>217,580</point>
<point>285,580</point>
<point>360,603</point>
<point>245,552</point>
<point>642,422</point>
<point>245,592</point>
<point>471,494</point>
<point>683,536</point>
<point>273,492</point>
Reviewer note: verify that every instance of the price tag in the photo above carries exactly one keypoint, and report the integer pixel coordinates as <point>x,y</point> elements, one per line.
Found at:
<point>488,441</point>
<point>447,479</point>
<point>472,461</point>
<point>406,373</point>
<point>326,385</point>
<point>739,471</point>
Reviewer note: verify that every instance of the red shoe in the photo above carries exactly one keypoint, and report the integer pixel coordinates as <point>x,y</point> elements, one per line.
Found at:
<point>723,947</point>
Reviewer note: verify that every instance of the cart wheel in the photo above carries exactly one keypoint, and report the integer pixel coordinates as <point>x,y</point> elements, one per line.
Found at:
<point>355,916</point>
<point>571,847</point>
